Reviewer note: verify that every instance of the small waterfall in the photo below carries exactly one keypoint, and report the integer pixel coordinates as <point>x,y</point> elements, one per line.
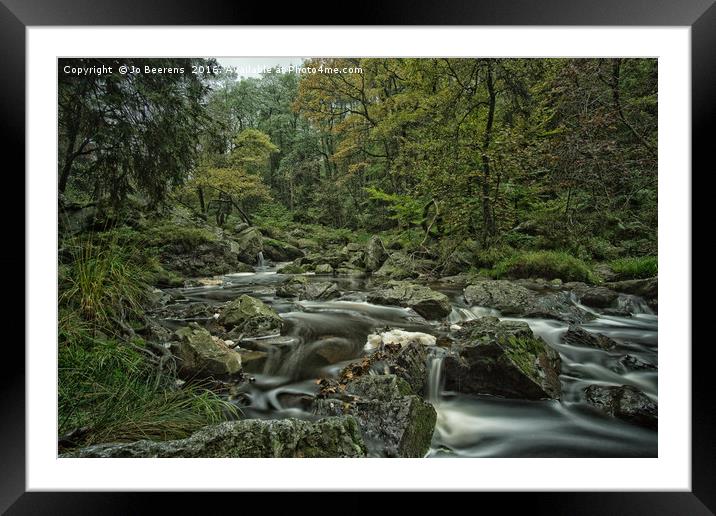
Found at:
<point>260,262</point>
<point>435,376</point>
<point>633,304</point>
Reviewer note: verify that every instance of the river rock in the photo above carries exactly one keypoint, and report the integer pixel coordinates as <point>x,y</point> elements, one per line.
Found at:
<point>506,296</point>
<point>206,259</point>
<point>250,244</point>
<point>252,361</point>
<point>201,355</point>
<point>647,288</point>
<point>398,266</point>
<point>502,358</point>
<point>251,317</point>
<point>258,438</point>
<point>577,336</point>
<point>291,268</point>
<point>304,289</point>
<point>324,268</point>
<point>624,402</point>
<point>375,254</point>
<point>425,301</point>
<point>632,363</point>
<point>279,251</point>
<point>394,422</point>
<point>590,295</point>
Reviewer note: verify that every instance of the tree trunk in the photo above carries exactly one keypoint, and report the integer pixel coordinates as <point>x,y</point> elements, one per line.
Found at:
<point>200,194</point>
<point>488,222</point>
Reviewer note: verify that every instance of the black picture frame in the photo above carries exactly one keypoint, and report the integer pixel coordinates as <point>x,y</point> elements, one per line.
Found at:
<point>16,15</point>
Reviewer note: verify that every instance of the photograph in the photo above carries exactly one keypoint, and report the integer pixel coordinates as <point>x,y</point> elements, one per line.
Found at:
<point>357,257</point>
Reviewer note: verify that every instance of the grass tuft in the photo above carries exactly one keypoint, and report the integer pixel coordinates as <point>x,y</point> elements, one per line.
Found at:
<point>544,264</point>
<point>635,268</point>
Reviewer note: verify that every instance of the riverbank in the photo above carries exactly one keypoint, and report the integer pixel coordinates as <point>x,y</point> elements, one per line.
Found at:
<point>277,326</point>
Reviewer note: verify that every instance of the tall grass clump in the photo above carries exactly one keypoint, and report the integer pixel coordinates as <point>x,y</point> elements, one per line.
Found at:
<point>113,394</point>
<point>544,264</point>
<point>636,267</point>
<point>112,385</point>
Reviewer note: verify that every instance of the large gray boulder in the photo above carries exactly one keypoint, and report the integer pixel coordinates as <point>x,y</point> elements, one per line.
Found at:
<point>624,402</point>
<point>324,268</point>
<point>303,288</point>
<point>279,251</point>
<point>205,259</point>
<point>375,254</point>
<point>506,296</point>
<point>250,244</point>
<point>502,358</point>
<point>258,438</point>
<point>199,355</point>
<point>394,421</point>
<point>526,299</point>
<point>590,295</point>
<point>425,301</point>
<point>398,266</point>
<point>250,316</point>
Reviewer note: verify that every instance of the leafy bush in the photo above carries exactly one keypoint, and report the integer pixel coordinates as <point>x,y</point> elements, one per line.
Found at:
<point>601,249</point>
<point>492,255</point>
<point>544,264</point>
<point>635,268</point>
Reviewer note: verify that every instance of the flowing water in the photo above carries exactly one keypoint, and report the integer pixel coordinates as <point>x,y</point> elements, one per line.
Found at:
<point>321,337</point>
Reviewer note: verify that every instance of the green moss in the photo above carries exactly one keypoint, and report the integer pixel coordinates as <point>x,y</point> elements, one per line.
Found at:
<point>523,351</point>
<point>635,268</point>
<point>544,264</point>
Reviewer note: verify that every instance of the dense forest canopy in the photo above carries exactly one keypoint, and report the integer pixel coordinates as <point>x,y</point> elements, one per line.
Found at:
<point>457,147</point>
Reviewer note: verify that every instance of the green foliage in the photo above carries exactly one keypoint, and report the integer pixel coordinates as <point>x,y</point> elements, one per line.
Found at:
<point>102,281</point>
<point>125,133</point>
<point>636,268</point>
<point>487,258</point>
<point>108,389</point>
<point>403,208</point>
<point>545,264</point>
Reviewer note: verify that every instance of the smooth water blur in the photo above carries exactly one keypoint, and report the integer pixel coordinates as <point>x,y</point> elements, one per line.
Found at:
<point>321,337</point>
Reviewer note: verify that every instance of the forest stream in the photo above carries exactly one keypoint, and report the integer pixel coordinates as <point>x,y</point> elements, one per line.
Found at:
<point>322,337</point>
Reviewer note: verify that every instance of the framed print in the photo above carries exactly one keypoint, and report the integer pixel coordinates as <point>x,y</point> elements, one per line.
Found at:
<point>257,252</point>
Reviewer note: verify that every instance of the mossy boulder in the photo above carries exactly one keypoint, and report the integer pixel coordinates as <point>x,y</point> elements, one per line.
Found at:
<point>201,355</point>
<point>324,268</point>
<point>250,316</point>
<point>502,358</point>
<point>506,296</point>
<point>424,300</point>
<point>250,244</point>
<point>257,438</point>
<point>397,266</point>
<point>375,254</point>
<point>303,288</point>
<point>279,251</point>
<point>394,421</point>
<point>291,268</point>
